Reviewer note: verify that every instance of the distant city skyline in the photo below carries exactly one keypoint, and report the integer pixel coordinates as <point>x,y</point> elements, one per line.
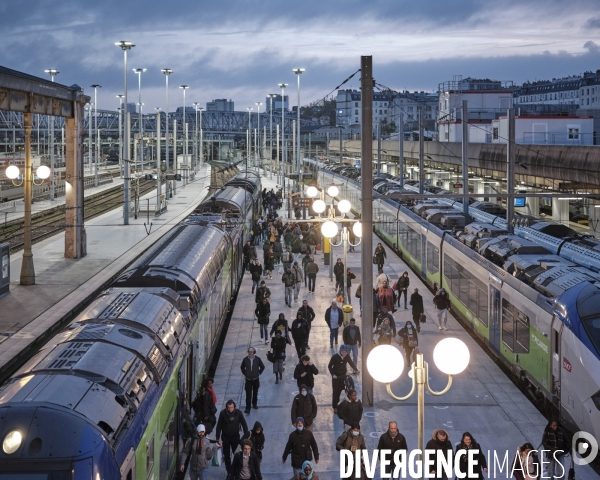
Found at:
<point>241,51</point>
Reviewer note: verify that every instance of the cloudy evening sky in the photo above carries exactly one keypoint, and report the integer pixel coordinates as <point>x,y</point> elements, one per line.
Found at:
<point>242,49</point>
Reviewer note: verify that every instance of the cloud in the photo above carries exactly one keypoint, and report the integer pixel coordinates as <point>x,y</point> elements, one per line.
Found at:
<point>592,23</point>
<point>592,47</point>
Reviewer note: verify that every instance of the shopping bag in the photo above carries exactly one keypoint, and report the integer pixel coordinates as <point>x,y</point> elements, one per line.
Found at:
<point>217,459</point>
<point>422,318</point>
<point>375,261</point>
<point>271,357</point>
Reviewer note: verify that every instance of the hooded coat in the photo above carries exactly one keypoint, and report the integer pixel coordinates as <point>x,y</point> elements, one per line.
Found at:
<point>257,439</point>
<point>305,407</point>
<point>464,463</point>
<point>441,301</point>
<point>302,446</point>
<point>200,453</point>
<point>555,440</point>
<point>309,378</point>
<point>229,424</point>
<point>346,440</point>
<point>441,447</point>
<point>303,475</point>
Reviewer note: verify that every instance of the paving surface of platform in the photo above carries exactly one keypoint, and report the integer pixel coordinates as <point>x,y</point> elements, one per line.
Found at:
<point>29,313</point>
<point>482,400</point>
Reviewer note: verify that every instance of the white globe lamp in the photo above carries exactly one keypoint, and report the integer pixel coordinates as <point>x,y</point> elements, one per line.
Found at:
<point>319,206</point>
<point>329,229</point>
<point>385,363</point>
<point>357,229</point>
<point>333,191</point>
<point>312,192</point>
<point>12,172</point>
<point>43,172</point>
<point>451,356</point>
<point>344,206</point>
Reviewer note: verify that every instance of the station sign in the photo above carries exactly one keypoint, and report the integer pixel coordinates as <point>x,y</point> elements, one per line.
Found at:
<point>302,202</point>
<point>174,176</point>
<point>458,185</point>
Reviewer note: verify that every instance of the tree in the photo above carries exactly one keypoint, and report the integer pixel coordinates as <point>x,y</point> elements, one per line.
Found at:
<point>387,128</point>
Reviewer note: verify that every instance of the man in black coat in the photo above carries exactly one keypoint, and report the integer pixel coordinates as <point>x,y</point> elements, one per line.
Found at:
<point>302,445</point>
<point>252,367</point>
<point>230,421</point>
<point>352,340</point>
<point>416,301</point>
<point>338,271</point>
<point>305,373</point>
<point>247,461</point>
<point>337,368</point>
<point>309,315</point>
<point>441,444</point>
<point>300,334</point>
<point>351,410</point>
<point>304,405</point>
<point>256,271</point>
<point>392,440</point>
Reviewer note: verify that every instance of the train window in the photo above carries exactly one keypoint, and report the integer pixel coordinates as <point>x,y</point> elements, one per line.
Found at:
<point>167,451</point>
<point>433,258</point>
<point>515,328</point>
<point>592,327</point>
<point>149,456</point>
<point>508,325</point>
<point>464,288</point>
<point>522,333</point>
<point>482,300</point>
<point>472,297</point>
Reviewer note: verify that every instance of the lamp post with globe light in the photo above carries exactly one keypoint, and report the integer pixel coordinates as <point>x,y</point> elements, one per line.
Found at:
<point>385,364</point>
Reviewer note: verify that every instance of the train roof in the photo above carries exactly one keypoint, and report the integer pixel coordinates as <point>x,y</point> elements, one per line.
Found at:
<point>233,199</point>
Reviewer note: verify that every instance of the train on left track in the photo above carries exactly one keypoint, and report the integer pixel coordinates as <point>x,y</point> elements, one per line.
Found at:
<point>105,398</point>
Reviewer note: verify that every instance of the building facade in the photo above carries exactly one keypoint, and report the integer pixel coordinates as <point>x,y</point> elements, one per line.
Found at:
<point>220,105</point>
<point>546,130</point>
<point>277,103</point>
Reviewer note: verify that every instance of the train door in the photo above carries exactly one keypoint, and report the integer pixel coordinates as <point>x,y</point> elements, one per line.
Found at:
<point>557,326</point>
<point>184,405</point>
<point>495,319</point>
<point>128,466</point>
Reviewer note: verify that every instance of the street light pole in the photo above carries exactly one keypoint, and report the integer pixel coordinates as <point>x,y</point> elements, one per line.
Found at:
<point>120,134</point>
<point>196,138</point>
<point>167,72</point>
<point>125,46</point>
<point>52,72</point>
<point>158,172</point>
<point>248,136</point>
<point>271,95</point>
<point>283,145</point>
<point>96,87</point>
<point>185,138</point>
<point>139,72</point>
<point>298,72</point>
<point>257,144</point>
<point>201,139</point>
<point>90,134</point>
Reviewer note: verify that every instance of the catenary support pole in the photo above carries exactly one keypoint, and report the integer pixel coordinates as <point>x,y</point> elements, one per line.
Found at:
<point>366,140</point>
<point>27,269</point>
<point>401,149</point>
<point>465,155</point>
<point>341,146</point>
<point>421,152</point>
<point>378,150</point>
<point>510,170</point>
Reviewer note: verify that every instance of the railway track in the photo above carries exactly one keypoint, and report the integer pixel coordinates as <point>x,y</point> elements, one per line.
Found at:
<point>50,222</point>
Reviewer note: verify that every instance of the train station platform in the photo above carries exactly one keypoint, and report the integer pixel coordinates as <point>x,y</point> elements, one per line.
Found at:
<point>482,400</point>
<point>31,314</point>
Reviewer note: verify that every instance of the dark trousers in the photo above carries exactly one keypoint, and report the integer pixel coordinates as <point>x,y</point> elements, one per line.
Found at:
<point>400,292</point>
<point>339,283</point>
<point>305,277</point>
<point>417,322</point>
<point>300,347</point>
<point>337,384</point>
<point>312,279</point>
<point>252,392</point>
<point>230,444</point>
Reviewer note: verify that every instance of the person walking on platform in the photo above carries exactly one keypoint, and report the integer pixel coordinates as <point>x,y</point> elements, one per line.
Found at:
<point>349,277</point>
<point>307,472</point>
<point>352,340</point>
<point>287,259</point>
<point>383,315</point>
<point>289,281</point>
<point>298,276</point>
<point>350,410</point>
<point>352,440</point>
<point>282,325</point>
<point>262,312</point>
<point>304,405</point>
<point>386,297</point>
<point>385,332</point>
<point>440,442</point>
<point>338,271</point>
<point>204,405</point>
<point>376,306</point>
<point>257,437</point>
<point>300,334</point>
<point>246,465</point>
<point>305,373</point>
<point>380,255</point>
<point>381,277</point>
<point>256,271</point>
<point>302,446</point>
<point>333,317</point>
<point>305,261</point>
<point>311,271</point>
<point>442,304</point>
<point>252,367</point>
<point>200,453</point>
<point>393,441</point>
<point>246,253</point>
<point>231,421</point>
<point>402,288</point>
<point>416,302</point>
<point>409,340</point>
<point>309,315</point>
<point>468,443</point>
<point>556,445</point>
<point>269,260</point>
<point>278,344</point>
<point>337,369</point>
<point>262,292</point>
<point>277,251</point>
<point>526,465</point>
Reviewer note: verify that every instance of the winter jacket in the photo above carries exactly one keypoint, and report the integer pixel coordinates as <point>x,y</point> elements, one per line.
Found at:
<point>262,293</point>
<point>288,279</point>
<point>229,424</point>
<point>402,283</point>
<point>298,274</point>
<point>281,324</point>
<point>386,297</point>
<point>464,461</point>
<point>387,442</point>
<point>254,465</point>
<point>256,271</point>
<point>305,262</point>
<point>201,454</point>
<point>269,260</point>
<point>299,330</point>
<point>441,448</point>
<point>386,333</point>
<point>305,407</point>
<point>257,439</point>
<point>312,267</point>
<point>350,412</point>
<point>308,313</point>
<point>337,365</point>
<point>252,373</point>
<point>380,253</point>
<point>347,337</point>
<point>382,278</point>
<point>262,312</point>
<point>416,300</point>
<point>405,332</point>
<point>277,249</point>
<point>309,378</point>
<point>349,277</point>
<point>278,346</point>
<point>302,446</point>
<point>347,440</point>
<point>287,257</point>
<point>338,269</point>
<point>555,440</point>
<point>328,317</point>
<point>205,409</point>
<point>440,301</point>
<point>530,465</point>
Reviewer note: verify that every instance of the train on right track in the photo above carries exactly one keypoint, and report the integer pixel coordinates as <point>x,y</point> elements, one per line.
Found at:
<point>533,297</point>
